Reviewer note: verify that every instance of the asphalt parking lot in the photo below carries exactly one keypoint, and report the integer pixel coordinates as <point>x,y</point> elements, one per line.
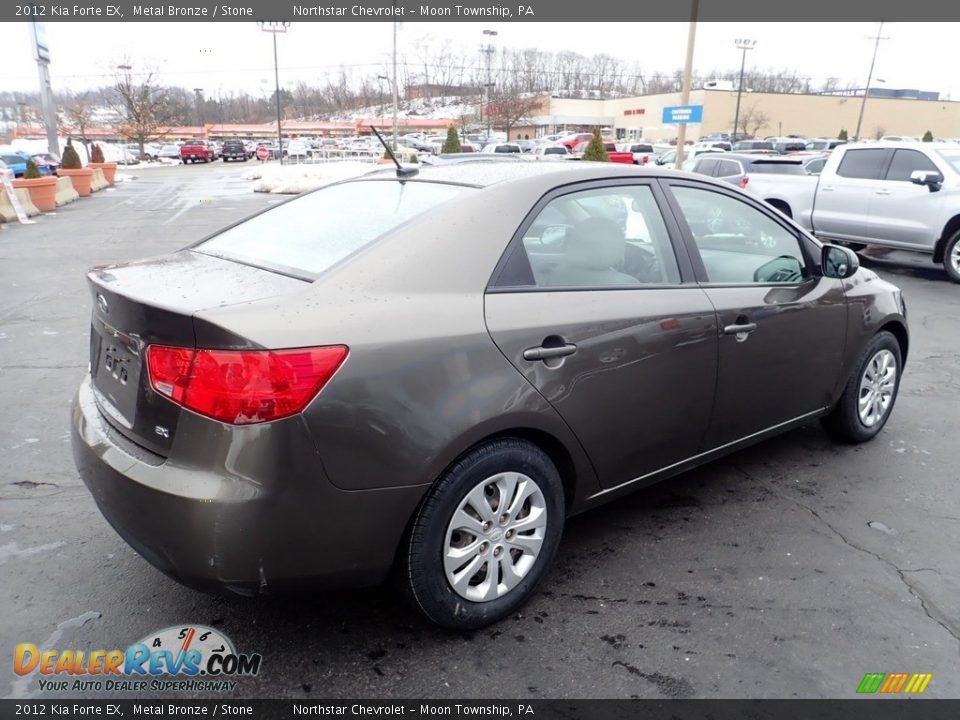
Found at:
<point>786,570</point>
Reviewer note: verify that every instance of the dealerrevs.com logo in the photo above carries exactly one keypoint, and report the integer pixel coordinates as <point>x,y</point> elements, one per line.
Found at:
<point>182,658</point>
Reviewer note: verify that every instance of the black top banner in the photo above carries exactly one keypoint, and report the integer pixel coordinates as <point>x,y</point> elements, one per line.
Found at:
<point>482,11</point>
<point>888,709</point>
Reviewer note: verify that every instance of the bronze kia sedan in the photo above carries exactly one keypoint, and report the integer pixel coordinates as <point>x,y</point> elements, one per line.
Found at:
<point>430,373</point>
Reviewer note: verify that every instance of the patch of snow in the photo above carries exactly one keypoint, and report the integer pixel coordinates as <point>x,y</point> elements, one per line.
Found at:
<point>294,179</point>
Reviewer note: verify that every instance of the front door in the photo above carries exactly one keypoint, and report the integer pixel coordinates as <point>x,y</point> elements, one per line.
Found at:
<point>780,323</point>
<point>594,308</point>
<point>902,213</point>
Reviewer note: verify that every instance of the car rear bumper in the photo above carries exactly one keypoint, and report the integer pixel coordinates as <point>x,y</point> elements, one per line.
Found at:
<point>244,522</point>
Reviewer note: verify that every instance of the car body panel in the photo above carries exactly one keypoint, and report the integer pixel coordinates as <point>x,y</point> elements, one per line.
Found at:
<point>432,371</point>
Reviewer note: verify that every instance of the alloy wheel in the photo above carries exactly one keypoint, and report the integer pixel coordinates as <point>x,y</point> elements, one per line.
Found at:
<point>877,386</point>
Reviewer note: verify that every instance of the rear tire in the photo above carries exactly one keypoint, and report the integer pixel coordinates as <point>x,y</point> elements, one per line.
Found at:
<point>500,509</point>
<point>951,257</point>
<point>870,394</point>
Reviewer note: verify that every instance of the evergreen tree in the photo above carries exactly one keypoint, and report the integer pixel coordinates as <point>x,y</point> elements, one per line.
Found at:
<point>596,150</point>
<point>452,143</point>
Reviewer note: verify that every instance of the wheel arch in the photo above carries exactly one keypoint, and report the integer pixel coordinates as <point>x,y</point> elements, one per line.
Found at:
<point>949,230</point>
<point>899,331</point>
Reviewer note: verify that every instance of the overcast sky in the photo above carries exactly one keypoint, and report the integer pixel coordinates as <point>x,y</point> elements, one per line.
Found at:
<point>223,57</point>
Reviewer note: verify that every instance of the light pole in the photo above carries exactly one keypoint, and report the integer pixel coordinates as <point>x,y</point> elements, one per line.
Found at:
<point>866,91</point>
<point>687,77</point>
<point>274,28</point>
<point>199,95</point>
<point>380,80</point>
<point>488,50</point>
<point>744,44</point>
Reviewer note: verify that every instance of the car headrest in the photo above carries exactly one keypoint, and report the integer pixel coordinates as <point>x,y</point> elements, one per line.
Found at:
<point>595,243</point>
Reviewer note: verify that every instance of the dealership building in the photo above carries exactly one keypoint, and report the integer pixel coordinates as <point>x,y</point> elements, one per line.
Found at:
<point>888,112</point>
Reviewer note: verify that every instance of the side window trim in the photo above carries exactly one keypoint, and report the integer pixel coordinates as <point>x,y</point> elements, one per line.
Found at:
<point>806,247</point>
<point>678,245</point>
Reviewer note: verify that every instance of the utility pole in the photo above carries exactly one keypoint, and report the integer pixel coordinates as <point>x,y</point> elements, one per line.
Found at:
<point>199,96</point>
<point>396,90</point>
<point>488,50</point>
<point>744,44</point>
<point>687,77</point>
<point>866,91</point>
<point>274,28</point>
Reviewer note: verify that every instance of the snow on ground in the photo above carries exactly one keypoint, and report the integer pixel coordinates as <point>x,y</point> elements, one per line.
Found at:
<point>293,179</point>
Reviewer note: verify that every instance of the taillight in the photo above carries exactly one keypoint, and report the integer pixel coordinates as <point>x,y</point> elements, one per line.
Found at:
<point>744,180</point>
<point>241,387</point>
<point>646,159</point>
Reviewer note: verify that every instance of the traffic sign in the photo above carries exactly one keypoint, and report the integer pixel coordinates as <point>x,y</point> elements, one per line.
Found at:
<point>682,114</point>
<point>262,153</point>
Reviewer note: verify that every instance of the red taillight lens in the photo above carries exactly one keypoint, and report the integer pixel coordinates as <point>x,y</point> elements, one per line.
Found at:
<point>646,159</point>
<point>242,386</point>
<point>743,181</point>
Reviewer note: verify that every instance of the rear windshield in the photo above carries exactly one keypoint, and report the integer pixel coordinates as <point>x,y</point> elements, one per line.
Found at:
<point>778,168</point>
<point>308,235</point>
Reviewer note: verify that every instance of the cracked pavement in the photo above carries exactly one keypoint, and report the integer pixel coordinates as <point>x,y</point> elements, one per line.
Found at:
<point>787,570</point>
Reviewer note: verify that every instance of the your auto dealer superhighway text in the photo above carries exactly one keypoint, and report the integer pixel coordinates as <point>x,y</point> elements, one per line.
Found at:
<point>452,709</point>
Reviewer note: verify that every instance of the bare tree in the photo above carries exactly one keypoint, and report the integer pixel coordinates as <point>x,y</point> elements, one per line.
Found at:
<point>508,107</point>
<point>878,132</point>
<point>142,105</point>
<point>78,114</point>
<point>752,119</point>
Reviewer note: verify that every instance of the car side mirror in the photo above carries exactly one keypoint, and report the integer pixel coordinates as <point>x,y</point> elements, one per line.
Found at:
<point>933,180</point>
<point>553,235</point>
<point>838,262</point>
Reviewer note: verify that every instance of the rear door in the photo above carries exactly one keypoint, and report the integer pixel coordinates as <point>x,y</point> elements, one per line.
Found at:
<point>595,308</point>
<point>900,212</point>
<point>843,198</point>
<point>781,325</point>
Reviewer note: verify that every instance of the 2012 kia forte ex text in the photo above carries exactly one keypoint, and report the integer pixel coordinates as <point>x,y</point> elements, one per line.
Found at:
<point>428,373</point>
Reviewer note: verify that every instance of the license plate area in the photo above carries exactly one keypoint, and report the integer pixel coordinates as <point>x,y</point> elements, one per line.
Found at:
<point>116,365</point>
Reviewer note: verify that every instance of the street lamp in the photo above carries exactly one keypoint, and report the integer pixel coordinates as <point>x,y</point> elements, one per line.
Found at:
<point>199,96</point>
<point>274,28</point>
<point>866,91</point>
<point>487,50</point>
<point>744,44</point>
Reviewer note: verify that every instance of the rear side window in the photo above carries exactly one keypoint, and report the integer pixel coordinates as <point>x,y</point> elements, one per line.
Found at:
<point>908,161</point>
<point>707,166</point>
<point>308,235</point>
<point>599,238</point>
<point>864,164</point>
<point>728,168</point>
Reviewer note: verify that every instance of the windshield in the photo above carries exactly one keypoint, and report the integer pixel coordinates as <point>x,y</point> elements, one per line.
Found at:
<point>952,158</point>
<point>308,235</point>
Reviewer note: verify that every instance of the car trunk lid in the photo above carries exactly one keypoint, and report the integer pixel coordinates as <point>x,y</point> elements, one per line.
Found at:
<point>154,302</point>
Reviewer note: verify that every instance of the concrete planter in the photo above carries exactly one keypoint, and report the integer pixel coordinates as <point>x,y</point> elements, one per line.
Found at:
<point>80,177</point>
<point>109,170</point>
<point>43,191</point>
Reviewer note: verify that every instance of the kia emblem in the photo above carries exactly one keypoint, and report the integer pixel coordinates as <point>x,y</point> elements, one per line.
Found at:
<point>102,304</point>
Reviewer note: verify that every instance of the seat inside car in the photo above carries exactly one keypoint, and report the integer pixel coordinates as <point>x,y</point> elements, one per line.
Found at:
<point>594,246</point>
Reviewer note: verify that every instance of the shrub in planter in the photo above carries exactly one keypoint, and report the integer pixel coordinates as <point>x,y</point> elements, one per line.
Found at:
<point>596,150</point>
<point>72,167</point>
<point>97,161</point>
<point>42,188</point>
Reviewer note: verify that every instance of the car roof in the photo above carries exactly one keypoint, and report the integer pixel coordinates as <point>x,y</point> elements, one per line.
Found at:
<point>769,159</point>
<point>482,174</point>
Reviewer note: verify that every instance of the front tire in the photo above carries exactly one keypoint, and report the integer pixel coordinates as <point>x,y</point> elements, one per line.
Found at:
<point>484,536</point>
<point>870,394</point>
<point>951,258</point>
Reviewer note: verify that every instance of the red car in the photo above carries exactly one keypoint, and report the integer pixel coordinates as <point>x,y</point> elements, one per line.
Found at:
<point>194,151</point>
<point>612,152</point>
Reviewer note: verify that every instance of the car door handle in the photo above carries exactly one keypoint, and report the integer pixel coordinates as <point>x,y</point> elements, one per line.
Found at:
<point>548,353</point>
<point>739,328</point>
<point>883,192</point>
<point>827,188</point>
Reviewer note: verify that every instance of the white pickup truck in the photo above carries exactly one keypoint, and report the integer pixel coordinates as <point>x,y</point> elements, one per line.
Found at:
<point>903,195</point>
